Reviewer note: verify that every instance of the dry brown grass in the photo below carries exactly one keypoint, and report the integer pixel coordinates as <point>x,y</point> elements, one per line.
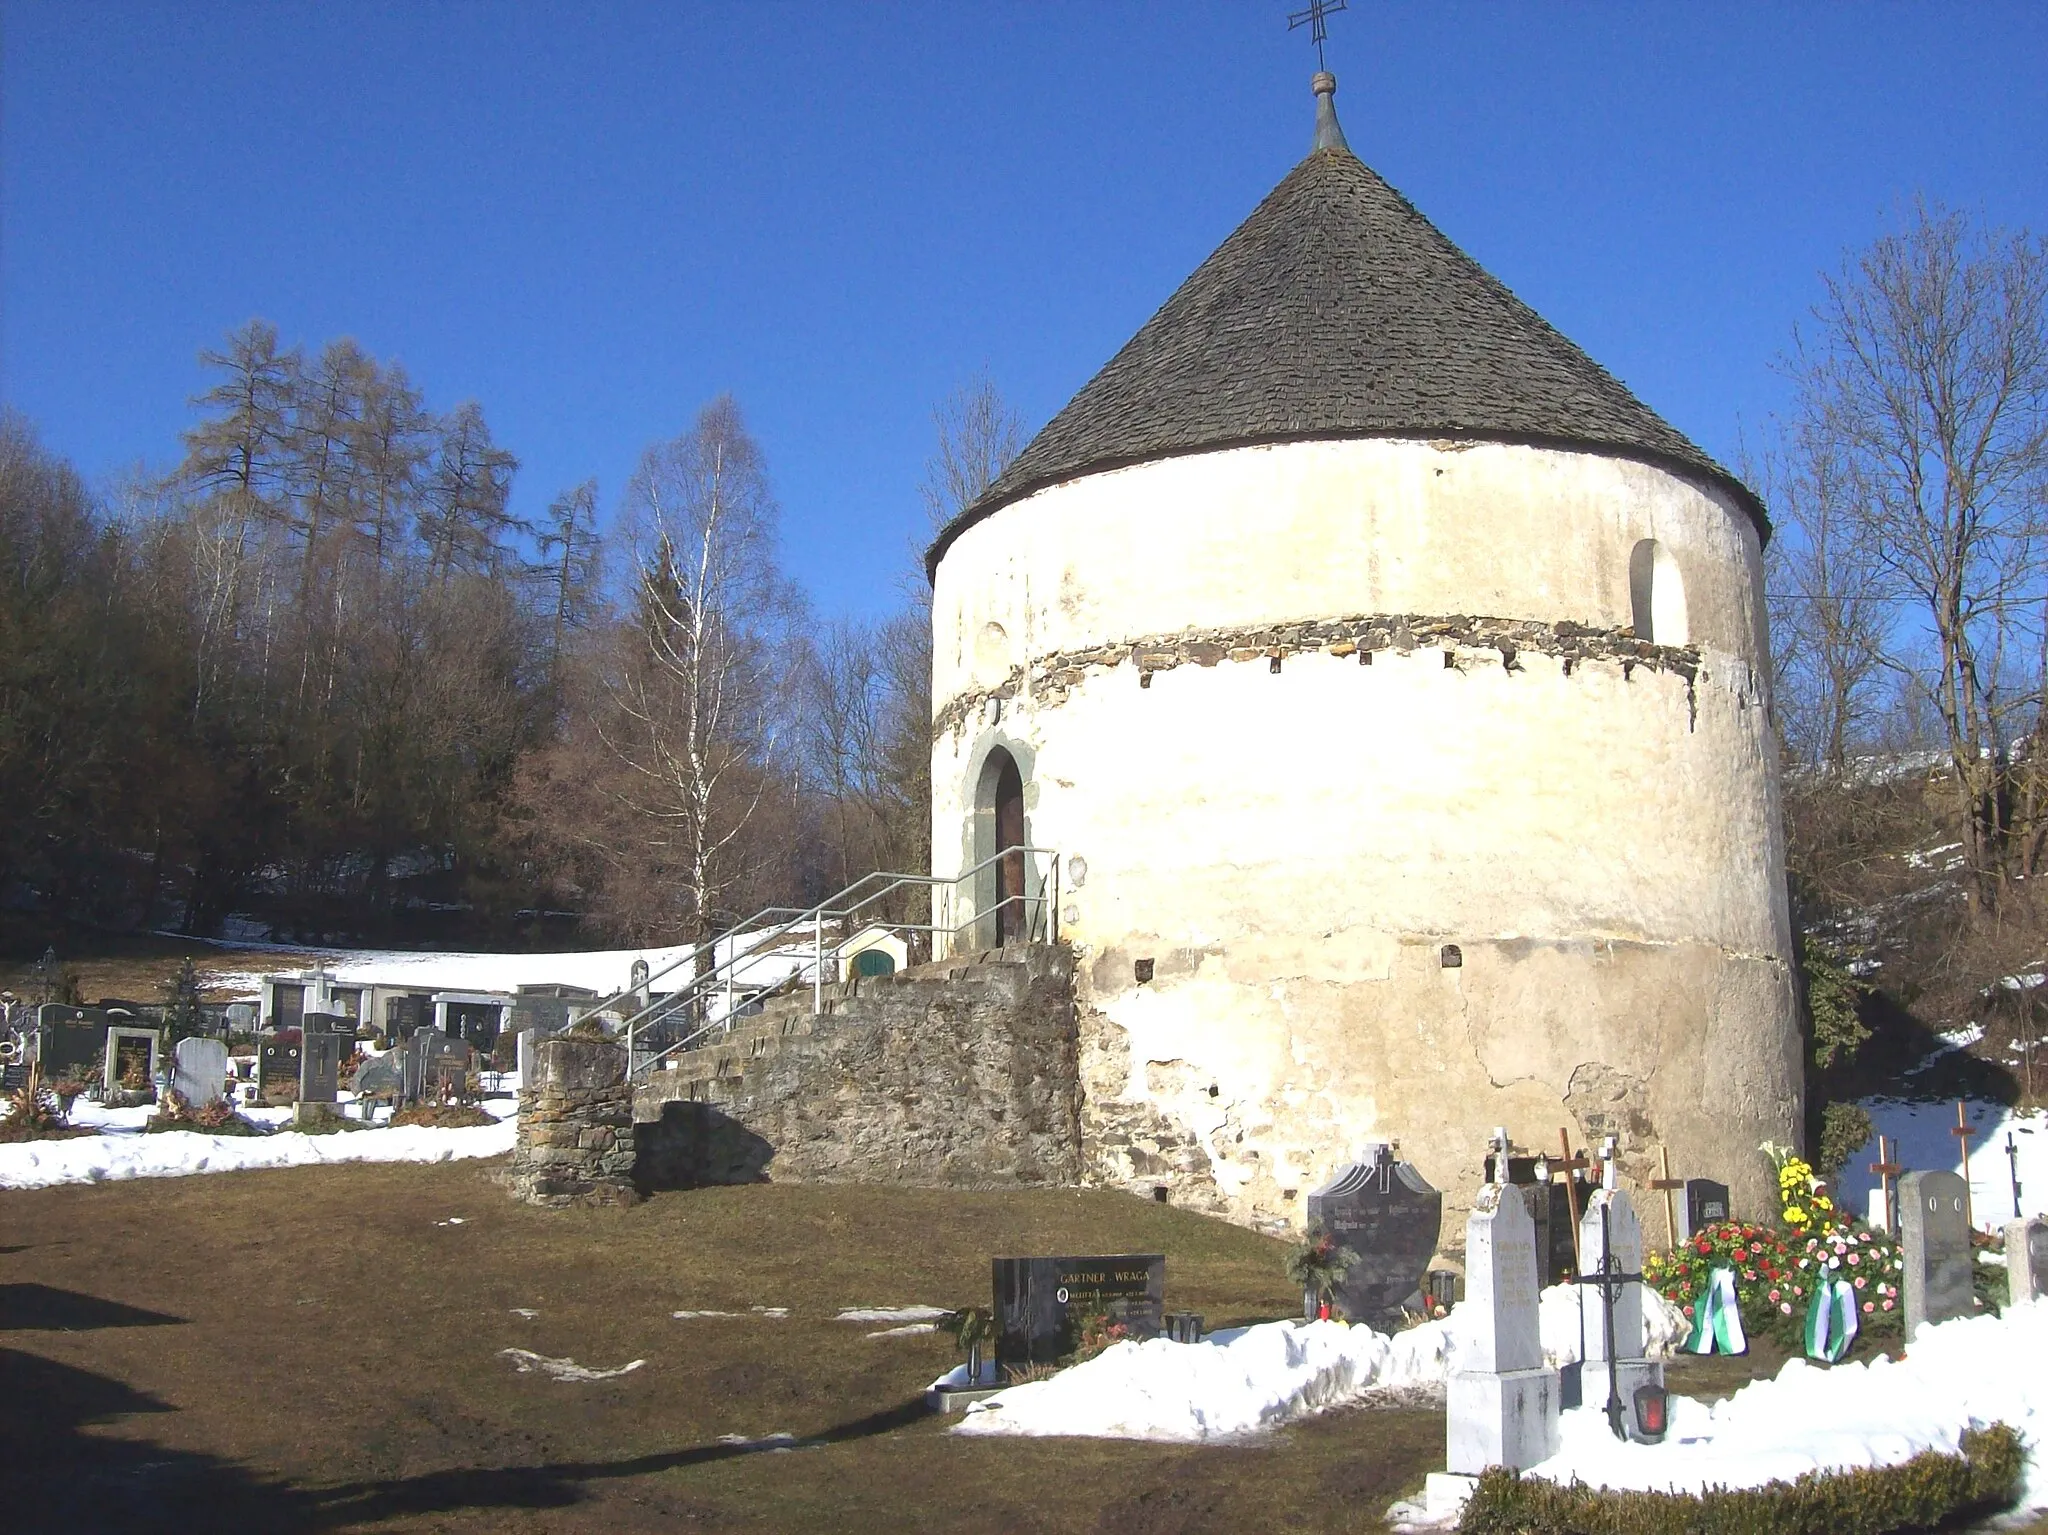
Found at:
<point>328,1358</point>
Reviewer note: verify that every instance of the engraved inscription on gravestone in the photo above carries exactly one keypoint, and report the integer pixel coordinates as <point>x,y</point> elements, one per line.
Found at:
<point>199,1070</point>
<point>319,1067</point>
<point>1705,1203</point>
<point>1934,1233</point>
<point>1388,1216</point>
<point>1041,1304</point>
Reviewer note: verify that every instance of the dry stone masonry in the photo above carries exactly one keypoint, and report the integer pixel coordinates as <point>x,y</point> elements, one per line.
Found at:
<point>575,1143</point>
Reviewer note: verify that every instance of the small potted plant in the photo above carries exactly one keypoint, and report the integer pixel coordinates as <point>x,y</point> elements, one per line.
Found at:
<point>1319,1266</point>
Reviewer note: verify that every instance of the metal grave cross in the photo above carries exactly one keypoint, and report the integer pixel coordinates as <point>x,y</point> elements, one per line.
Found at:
<point>1610,1281</point>
<point>1316,19</point>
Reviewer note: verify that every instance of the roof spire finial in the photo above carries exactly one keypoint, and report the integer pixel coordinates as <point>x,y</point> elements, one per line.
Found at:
<point>1328,134</point>
<point>1316,19</point>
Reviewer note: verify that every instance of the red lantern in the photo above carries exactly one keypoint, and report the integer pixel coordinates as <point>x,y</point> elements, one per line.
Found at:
<point>1653,1413</point>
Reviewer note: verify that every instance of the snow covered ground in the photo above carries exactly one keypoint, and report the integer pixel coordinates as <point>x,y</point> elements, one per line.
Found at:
<point>1958,1375</point>
<point>1245,1379</point>
<point>1920,1133</point>
<point>121,1150</point>
<point>603,971</point>
<point>1964,1374</point>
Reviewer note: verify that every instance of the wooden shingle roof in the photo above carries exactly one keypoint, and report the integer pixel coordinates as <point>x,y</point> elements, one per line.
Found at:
<point>1337,310</point>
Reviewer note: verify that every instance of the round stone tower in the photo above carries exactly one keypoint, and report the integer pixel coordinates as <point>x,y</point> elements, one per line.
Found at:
<point>1392,685</point>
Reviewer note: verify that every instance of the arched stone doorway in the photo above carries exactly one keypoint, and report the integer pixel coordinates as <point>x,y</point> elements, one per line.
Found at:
<point>1003,892</point>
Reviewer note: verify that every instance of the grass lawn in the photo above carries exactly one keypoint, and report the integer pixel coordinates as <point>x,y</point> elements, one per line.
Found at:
<point>312,1349</point>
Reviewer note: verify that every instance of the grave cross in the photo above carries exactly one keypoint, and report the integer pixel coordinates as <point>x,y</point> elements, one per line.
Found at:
<point>1962,1134</point>
<point>2012,1161</point>
<point>1571,1169</point>
<point>1667,1183</point>
<point>1887,1169</point>
<point>1317,19</point>
<point>1610,1281</point>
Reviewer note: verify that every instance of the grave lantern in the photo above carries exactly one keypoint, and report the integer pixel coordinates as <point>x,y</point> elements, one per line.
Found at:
<point>1653,1413</point>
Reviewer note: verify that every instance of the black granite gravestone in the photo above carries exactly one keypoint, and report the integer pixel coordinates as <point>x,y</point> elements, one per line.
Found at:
<point>72,1043</point>
<point>1550,1206</point>
<point>319,1066</point>
<point>277,1068</point>
<point>1388,1216</point>
<point>1705,1203</point>
<point>1043,1303</point>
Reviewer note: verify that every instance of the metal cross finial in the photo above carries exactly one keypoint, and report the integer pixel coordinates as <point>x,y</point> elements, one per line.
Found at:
<point>1316,19</point>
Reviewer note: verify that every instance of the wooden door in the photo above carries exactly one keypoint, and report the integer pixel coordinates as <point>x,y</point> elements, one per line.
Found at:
<point>1013,916</point>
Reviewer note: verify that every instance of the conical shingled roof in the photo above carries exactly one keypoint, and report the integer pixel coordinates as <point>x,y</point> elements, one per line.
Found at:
<point>1337,310</point>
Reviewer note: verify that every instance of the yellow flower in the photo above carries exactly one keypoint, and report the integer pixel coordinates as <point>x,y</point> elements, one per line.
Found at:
<point>1794,1215</point>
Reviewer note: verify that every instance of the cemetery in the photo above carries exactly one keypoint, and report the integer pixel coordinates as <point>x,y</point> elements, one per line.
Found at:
<point>1301,1008</point>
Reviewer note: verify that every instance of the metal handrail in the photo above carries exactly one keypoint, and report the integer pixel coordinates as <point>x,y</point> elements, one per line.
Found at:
<point>816,917</point>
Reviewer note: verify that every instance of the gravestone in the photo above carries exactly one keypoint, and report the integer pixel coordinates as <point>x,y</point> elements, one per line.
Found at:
<point>319,1066</point>
<point>126,1048</point>
<point>433,1061</point>
<point>1501,1403</point>
<point>242,1017</point>
<point>2026,1259</point>
<point>381,1076</point>
<point>199,1071</point>
<point>277,1068</point>
<point>528,1040</point>
<point>1705,1203</point>
<point>1934,1233</point>
<point>1387,1215</point>
<point>1550,1206</point>
<point>1041,1303</point>
<point>1624,1234</point>
<point>71,1042</point>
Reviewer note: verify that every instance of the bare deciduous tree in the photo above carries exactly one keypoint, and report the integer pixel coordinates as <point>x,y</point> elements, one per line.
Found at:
<point>1923,398</point>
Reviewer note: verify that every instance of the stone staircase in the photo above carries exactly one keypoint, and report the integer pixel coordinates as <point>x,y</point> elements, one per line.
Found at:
<point>962,1073</point>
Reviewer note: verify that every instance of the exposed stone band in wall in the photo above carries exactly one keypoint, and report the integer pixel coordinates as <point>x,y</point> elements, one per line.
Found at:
<point>1461,637</point>
<point>575,1142</point>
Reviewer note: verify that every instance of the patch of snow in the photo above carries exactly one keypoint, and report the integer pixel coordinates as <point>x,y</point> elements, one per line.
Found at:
<point>175,1154</point>
<point>453,1220</point>
<point>2026,980</point>
<point>695,1316</point>
<point>771,1313</point>
<point>871,1314</point>
<point>1248,1379</point>
<point>527,1362</point>
<point>603,971</point>
<point>1921,1138</point>
<point>525,1311</point>
<point>767,1444</point>
<point>908,1330</point>
<point>1969,1373</point>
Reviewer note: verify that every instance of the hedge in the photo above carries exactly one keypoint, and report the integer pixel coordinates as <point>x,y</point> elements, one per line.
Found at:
<point>1924,1493</point>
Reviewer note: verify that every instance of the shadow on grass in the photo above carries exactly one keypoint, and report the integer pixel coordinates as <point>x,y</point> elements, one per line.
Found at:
<point>43,1308</point>
<point>70,1480</point>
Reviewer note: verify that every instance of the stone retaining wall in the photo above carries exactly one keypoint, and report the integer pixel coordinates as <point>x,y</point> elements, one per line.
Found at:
<point>962,1074</point>
<point>576,1143</point>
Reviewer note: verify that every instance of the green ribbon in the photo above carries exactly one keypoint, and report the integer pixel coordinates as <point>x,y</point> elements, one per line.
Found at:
<point>1716,1317</point>
<point>1831,1319</point>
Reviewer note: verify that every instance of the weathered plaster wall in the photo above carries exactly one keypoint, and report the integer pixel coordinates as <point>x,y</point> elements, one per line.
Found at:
<point>1291,835</point>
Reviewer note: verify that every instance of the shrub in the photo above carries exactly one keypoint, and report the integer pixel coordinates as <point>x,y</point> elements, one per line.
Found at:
<point>1924,1493</point>
<point>443,1116</point>
<point>215,1118</point>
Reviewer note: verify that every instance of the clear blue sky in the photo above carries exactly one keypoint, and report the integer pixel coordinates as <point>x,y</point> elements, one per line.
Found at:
<point>593,217</point>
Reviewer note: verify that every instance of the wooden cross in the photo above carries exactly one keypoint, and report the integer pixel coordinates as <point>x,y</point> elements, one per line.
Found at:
<point>1316,19</point>
<point>1572,1164</point>
<point>1887,1169</point>
<point>1667,1183</point>
<point>1962,1134</point>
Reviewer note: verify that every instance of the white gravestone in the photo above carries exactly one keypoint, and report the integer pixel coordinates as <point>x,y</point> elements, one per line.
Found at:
<point>2026,1259</point>
<point>110,1079</point>
<point>1501,1404</point>
<point>199,1071</point>
<point>1623,1231</point>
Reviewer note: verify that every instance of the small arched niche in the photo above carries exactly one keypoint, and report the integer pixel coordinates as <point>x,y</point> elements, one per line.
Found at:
<point>1656,595</point>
